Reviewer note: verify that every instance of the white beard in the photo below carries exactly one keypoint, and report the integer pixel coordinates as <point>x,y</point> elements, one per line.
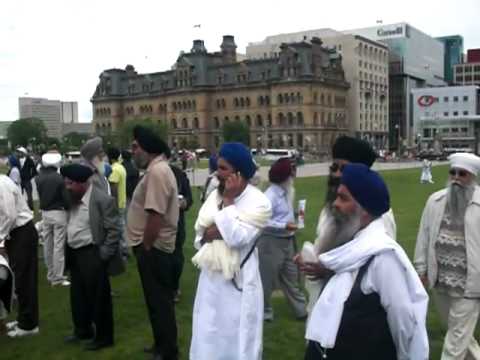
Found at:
<point>289,187</point>
<point>99,165</point>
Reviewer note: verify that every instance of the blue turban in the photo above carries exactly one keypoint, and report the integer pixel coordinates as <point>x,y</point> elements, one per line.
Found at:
<point>367,188</point>
<point>240,157</point>
<point>13,161</point>
<point>212,163</point>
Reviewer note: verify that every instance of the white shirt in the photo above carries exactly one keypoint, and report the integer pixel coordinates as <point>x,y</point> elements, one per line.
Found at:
<point>227,323</point>
<point>14,211</point>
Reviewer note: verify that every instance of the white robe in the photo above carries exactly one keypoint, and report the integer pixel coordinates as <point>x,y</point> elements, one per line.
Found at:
<point>227,323</point>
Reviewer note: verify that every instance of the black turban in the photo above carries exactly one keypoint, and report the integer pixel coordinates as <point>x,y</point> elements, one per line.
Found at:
<point>149,141</point>
<point>76,172</point>
<point>354,150</point>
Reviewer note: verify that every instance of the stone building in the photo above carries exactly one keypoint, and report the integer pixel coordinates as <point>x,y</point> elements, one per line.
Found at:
<point>296,99</point>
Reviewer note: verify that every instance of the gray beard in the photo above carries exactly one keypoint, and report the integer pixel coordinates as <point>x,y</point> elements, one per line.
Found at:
<point>458,198</point>
<point>289,187</point>
<point>338,229</point>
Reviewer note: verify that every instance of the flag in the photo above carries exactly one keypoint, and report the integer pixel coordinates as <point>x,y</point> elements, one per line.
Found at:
<point>197,26</point>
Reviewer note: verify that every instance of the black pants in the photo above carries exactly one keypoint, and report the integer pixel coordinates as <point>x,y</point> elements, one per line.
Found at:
<point>27,187</point>
<point>156,268</point>
<point>90,296</point>
<point>22,249</point>
<point>178,262</point>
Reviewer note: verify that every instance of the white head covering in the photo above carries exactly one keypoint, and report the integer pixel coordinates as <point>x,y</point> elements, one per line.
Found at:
<point>51,159</point>
<point>465,161</point>
<point>22,150</point>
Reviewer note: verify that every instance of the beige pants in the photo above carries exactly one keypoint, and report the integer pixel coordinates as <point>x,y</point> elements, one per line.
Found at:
<point>460,315</point>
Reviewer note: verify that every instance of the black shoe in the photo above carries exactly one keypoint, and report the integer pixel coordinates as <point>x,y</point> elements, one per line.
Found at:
<point>72,339</point>
<point>94,345</point>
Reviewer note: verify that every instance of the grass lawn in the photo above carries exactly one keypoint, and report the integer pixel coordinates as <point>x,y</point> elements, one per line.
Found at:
<point>283,338</point>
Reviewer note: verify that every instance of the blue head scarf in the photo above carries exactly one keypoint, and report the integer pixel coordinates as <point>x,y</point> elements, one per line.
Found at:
<point>367,188</point>
<point>240,157</point>
<point>13,161</point>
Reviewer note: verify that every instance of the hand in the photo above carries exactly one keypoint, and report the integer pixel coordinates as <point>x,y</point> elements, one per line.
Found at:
<point>211,233</point>
<point>314,270</point>
<point>147,247</point>
<point>234,185</point>
<point>182,204</point>
<point>291,227</point>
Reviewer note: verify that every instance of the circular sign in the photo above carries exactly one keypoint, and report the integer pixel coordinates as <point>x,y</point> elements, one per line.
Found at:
<point>426,100</point>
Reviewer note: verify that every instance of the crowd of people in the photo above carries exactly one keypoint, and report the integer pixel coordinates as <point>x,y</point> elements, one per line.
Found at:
<point>364,298</point>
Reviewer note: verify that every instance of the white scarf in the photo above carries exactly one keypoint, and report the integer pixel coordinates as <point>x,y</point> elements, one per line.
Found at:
<point>345,261</point>
<point>216,255</point>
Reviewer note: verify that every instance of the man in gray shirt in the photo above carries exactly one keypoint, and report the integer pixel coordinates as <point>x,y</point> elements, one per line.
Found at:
<point>93,235</point>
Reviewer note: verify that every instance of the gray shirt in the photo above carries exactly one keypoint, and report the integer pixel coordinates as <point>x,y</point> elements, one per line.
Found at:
<point>79,233</point>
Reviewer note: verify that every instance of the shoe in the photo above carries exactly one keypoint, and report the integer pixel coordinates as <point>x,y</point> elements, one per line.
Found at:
<point>61,283</point>
<point>18,332</point>
<point>302,317</point>
<point>94,346</point>
<point>72,339</point>
<point>11,325</point>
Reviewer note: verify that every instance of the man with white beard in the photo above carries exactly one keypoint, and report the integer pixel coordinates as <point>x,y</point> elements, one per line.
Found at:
<point>92,153</point>
<point>345,150</point>
<point>373,306</point>
<point>276,245</point>
<point>448,252</point>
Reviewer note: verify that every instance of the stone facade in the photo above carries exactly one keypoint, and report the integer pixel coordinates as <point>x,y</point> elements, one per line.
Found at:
<point>295,100</point>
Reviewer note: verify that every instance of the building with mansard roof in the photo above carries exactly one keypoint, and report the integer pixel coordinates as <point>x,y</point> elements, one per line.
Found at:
<point>296,99</point>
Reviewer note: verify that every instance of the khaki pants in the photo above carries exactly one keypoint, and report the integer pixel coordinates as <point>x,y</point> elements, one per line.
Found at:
<point>54,231</point>
<point>460,315</point>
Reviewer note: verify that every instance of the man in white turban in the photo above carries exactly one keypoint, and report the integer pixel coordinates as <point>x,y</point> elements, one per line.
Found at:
<point>448,252</point>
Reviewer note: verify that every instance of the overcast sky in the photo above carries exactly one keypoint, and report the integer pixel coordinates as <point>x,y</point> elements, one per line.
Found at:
<point>57,49</point>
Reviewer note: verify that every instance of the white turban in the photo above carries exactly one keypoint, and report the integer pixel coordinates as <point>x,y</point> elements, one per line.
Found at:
<point>51,159</point>
<point>465,161</point>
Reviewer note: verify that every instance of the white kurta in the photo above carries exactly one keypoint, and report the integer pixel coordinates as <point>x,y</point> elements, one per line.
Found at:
<point>227,323</point>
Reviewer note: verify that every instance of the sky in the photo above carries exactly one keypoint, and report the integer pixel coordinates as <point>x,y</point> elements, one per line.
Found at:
<point>57,49</point>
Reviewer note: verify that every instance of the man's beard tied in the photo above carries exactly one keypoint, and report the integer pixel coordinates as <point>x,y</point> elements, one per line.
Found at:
<point>458,198</point>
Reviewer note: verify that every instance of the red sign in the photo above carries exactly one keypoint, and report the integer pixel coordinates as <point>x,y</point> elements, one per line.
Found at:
<point>426,100</point>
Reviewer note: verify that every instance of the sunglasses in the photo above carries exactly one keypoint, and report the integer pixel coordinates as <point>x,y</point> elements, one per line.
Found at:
<point>459,173</point>
<point>336,167</point>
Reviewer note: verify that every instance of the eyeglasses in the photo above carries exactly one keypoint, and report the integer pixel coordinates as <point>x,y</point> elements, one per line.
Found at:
<point>336,167</point>
<point>459,173</point>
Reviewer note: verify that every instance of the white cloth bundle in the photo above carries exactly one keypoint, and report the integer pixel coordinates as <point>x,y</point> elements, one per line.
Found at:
<point>216,255</point>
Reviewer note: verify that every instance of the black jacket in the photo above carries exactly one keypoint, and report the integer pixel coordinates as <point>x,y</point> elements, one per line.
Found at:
<point>28,170</point>
<point>51,190</point>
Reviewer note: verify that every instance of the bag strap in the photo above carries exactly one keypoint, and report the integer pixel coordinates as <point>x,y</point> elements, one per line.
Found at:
<point>250,252</point>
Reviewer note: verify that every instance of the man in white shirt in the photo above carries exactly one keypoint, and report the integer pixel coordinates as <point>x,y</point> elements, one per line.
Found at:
<point>19,241</point>
<point>228,312</point>
<point>276,245</point>
<point>373,306</point>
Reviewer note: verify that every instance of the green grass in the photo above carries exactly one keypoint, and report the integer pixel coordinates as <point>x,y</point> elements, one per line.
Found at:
<point>283,338</point>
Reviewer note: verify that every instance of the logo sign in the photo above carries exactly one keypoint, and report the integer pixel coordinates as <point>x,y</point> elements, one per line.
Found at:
<point>390,32</point>
<point>426,100</point>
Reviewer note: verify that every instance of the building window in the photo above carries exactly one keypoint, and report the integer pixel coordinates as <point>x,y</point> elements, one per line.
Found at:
<point>196,123</point>
<point>465,98</point>
<point>445,113</point>
<point>465,112</point>
<point>455,99</point>
<point>216,122</point>
<point>445,99</point>
<point>455,113</point>
<point>174,123</point>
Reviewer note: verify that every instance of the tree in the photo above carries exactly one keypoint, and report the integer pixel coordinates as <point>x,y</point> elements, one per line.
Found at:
<point>74,141</point>
<point>125,131</point>
<point>27,131</point>
<point>236,131</point>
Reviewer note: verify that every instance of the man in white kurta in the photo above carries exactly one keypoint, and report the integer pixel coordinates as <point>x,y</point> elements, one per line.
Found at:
<point>228,313</point>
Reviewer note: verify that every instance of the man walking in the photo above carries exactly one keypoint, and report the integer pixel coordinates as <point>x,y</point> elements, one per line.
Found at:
<point>228,309</point>
<point>93,253</point>
<point>118,188</point>
<point>276,245</point>
<point>19,241</point>
<point>53,204</point>
<point>27,173</point>
<point>152,228</point>
<point>373,306</point>
<point>447,255</point>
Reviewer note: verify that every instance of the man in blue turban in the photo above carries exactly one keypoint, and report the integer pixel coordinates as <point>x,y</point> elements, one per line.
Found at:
<point>374,305</point>
<point>228,310</point>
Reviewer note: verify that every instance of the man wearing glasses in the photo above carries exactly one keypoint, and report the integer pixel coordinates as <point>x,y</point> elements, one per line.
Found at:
<point>448,252</point>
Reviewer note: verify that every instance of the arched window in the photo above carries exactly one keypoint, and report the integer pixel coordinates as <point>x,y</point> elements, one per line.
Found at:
<point>235,101</point>
<point>315,119</point>
<point>299,119</point>
<point>247,101</point>
<point>292,97</point>
<point>286,98</point>
<point>226,119</point>
<point>223,103</point>
<point>259,120</point>
<point>290,119</point>
<point>260,100</point>
<point>189,104</point>
<point>237,118</point>
<point>185,123</point>
<point>267,100</point>
<point>248,120</point>
<point>194,104</point>
<point>242,102</point>
<point>184,105</point>
<point>216,122</point>
<point>196,123</point>
<point>269,120</point>
<point>174,123</point>
<point>280,99</point>
<point>281,120</point>
<point>174,105</point>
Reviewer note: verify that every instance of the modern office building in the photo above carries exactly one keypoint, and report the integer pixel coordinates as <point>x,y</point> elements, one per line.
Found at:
<point>53,113</point>
<point>468,73</point>
<point>448,115</point>
<point>453,55</point>
<point>296,99</point>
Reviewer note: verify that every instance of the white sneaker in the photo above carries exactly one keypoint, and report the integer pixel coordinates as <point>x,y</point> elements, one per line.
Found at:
<point>11,325</point>
<point>17,332</point>
<point>61,283</point>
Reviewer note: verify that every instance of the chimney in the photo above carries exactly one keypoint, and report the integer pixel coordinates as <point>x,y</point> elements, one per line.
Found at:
<point>198,47</point>
<point>229,49</point>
